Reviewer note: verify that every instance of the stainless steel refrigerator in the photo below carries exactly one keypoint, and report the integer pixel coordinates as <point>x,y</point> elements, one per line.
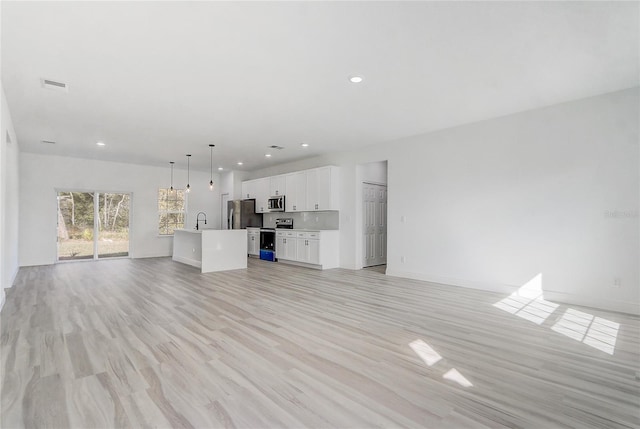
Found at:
<point>242,214</point>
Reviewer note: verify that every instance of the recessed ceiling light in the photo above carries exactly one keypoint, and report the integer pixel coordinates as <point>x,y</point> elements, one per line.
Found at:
<point>101,144</point>
<point>305,145</point>
<point>220,168</point>
<point>355,79</point>
<point>268,155</point>
<point>239,162</point>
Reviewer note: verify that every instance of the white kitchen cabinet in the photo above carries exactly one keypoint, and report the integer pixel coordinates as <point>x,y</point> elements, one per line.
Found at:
<point>290,244</point>
<point>253,241</point>
<point>290,197</point>
<point>248,189</point>
<point>313,249</point>
<point>323,188</point>
<point>277,185</point>
<point>281,252</point>
<point>308,247</point>
<point>286,245</point>
<point>296,197</point>
<point>316,189</point>
<point>261,187</point>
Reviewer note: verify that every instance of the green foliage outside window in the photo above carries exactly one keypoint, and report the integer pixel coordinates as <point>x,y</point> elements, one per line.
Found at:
<point>170,210</point>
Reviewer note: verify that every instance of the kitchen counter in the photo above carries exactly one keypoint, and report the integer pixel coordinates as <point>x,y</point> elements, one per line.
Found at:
<point>211,249</point>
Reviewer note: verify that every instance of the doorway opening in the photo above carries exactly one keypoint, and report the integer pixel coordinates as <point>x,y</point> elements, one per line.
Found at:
<point>224,215</point>
<point>92,225</point>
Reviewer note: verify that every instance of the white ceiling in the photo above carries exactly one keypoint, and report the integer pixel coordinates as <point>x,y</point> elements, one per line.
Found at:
<point>157,80</point>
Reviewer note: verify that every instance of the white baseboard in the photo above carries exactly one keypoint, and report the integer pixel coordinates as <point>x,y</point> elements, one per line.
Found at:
<point>553,296</point>
<point>151,256</point>
<point>599,303</point>
<point>490,287</point>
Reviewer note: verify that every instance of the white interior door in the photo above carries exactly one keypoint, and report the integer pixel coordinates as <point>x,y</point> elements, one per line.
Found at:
<point>374,224</point>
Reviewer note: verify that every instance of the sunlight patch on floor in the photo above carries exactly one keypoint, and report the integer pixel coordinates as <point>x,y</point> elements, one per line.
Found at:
<point>528,302</point>
<point>425,352</point>
<point>454,375</point>
<point>431,357</point>
<point>593,331</point>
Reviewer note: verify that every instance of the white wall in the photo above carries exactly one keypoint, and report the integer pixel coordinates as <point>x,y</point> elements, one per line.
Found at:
<point>9,155</point>
<point>494,203</point>
<point>374,172</point>
<point>42,175</point>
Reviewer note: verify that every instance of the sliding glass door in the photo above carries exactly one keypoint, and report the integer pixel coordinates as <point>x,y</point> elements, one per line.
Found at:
<point>75,225</point>
<point>113,225</point>
<point>93,225</point>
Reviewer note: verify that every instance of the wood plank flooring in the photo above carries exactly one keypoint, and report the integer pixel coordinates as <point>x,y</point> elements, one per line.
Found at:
<point>154,343</point>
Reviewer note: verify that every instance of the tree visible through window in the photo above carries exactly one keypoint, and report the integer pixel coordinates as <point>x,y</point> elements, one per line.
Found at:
<point>170,210</point>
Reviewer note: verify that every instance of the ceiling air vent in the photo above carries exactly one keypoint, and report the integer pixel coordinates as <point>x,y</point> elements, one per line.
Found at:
<point>273,146</point>
<point>55,85</point>
<point>47,142</point>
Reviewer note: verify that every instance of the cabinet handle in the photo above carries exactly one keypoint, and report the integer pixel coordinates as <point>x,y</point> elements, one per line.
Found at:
<point>294,207</point>
<point>276,192</point>
<point>316,207</point>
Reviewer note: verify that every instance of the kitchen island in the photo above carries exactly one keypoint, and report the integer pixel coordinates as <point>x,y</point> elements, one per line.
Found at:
<point>211,249</point>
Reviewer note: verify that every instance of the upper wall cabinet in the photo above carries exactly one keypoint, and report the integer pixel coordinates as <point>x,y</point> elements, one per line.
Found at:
<point>262,195</point>
<point>248,189</point>
<point>309,190</point>
<point>296,197</point>
<point>277,185</point>
<point>322,189</point>
<point>259,190</point>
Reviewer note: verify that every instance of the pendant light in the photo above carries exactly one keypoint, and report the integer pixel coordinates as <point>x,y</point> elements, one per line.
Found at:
<point>211,146</point>
<point>188,170</point>
<point>171,162</point>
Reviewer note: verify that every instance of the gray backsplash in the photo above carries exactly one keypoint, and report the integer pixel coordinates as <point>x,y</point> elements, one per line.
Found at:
<point>305,220</point>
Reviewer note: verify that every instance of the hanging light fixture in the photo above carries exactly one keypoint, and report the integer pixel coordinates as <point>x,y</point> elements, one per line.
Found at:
<point>211,146</point>
<point>188,170</point>
<point>171,162</point>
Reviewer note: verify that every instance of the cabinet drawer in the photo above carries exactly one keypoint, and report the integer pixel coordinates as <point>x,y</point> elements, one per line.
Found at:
<point>307,234</point>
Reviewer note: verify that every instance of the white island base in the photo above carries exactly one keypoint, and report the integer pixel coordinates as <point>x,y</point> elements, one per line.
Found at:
<point>211,249</point>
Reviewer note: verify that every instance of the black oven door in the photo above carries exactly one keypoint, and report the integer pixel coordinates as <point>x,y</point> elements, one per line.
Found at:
<point>267,239</point>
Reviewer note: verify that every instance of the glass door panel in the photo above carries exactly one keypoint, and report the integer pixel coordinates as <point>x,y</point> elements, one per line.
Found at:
<point>113,225</point>
<point>75,225</point>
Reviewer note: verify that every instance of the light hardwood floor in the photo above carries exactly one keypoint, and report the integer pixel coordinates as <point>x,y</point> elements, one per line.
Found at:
<point>154,343</point>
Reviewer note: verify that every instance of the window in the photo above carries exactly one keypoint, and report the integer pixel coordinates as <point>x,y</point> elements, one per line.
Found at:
<point>170,210</point>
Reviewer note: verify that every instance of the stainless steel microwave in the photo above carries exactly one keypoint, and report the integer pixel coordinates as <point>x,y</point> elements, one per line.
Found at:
<point>276,204</point>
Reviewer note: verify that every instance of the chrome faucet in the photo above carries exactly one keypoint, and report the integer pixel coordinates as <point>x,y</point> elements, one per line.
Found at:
<point>198,219</point>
